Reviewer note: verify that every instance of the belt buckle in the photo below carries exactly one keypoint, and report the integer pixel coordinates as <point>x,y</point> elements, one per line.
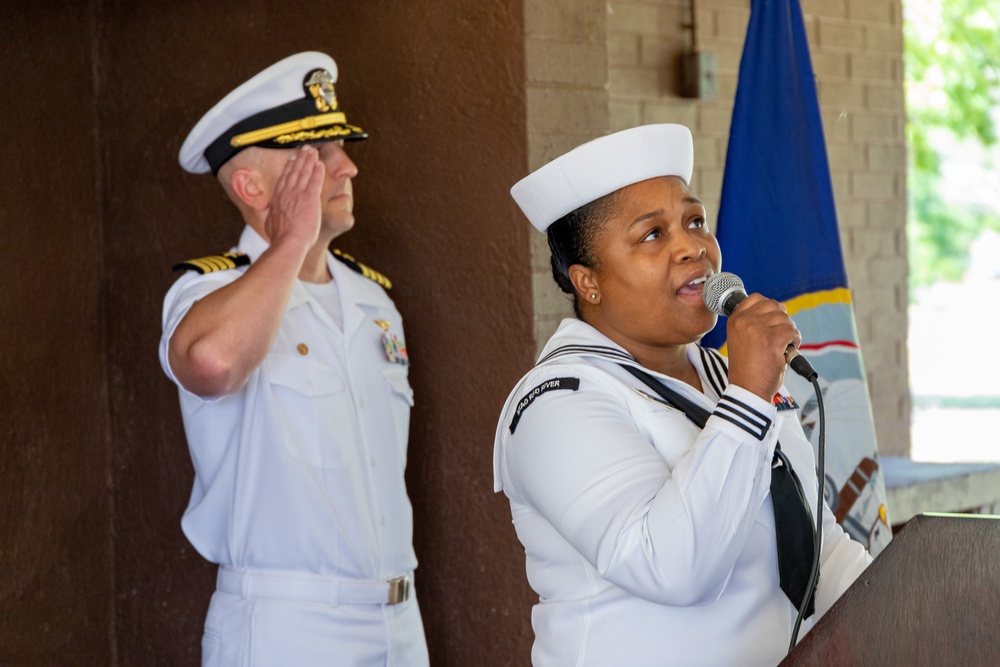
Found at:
<point>399,589</point>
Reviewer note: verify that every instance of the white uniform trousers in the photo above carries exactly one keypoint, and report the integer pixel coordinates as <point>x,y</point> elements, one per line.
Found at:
<point>245,628</point>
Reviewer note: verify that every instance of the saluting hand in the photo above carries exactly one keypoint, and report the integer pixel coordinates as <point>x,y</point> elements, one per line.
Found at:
<point>294,210</point>
<point>757,334</point>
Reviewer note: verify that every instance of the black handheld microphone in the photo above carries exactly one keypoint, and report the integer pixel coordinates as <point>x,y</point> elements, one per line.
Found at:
<point>724,291</point>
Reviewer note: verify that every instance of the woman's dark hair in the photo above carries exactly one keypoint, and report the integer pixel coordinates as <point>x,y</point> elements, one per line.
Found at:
<point>571,240</point>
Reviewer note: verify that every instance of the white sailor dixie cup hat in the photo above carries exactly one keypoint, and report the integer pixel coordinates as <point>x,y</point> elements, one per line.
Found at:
<point>288,104</point>
<point>599,167</point>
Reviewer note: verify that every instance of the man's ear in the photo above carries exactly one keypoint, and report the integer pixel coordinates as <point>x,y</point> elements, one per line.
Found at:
<point>585,283</point>
<point>246,185</point>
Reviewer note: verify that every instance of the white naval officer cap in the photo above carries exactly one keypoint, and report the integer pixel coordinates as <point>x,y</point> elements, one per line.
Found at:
<point>601,166</point>
<point>290,103</point>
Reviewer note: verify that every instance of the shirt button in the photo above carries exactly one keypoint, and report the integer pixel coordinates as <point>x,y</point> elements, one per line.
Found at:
<point>303,349</point>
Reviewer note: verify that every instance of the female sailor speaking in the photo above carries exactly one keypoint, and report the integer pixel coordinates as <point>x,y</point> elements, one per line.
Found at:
<point>640,467</point>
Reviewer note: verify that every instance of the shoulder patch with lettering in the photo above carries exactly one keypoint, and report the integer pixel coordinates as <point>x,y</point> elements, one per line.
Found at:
<point>366,271</point>
<point>571,384</point>
<point>212,263</point>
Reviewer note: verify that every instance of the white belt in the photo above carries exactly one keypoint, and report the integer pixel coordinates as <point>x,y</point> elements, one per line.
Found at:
<point>312,587</point>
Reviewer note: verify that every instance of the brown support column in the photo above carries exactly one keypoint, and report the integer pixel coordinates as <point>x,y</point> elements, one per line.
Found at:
<point>440,87</point>
<point>55,540</point>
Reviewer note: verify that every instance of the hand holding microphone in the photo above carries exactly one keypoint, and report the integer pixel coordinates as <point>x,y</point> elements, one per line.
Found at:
<point>725,291</point>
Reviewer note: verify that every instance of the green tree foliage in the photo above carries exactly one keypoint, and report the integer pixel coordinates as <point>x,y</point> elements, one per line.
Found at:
<point>952,60</point>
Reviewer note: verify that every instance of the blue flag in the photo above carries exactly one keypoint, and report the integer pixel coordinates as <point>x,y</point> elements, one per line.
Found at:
<point>778,231</point>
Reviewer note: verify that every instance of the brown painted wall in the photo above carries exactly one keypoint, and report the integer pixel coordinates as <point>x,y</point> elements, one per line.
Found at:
<point>99,578</point>
<point>55,546</point>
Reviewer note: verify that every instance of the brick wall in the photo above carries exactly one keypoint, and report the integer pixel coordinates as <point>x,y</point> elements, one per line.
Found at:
<point>566,43</point>
<point>597,67</point>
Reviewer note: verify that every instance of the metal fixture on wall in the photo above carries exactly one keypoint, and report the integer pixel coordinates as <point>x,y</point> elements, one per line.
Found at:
<point>697,76</point>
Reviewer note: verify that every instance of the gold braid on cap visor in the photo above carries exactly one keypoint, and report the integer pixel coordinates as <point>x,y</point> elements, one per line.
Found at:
<point>302,127</point>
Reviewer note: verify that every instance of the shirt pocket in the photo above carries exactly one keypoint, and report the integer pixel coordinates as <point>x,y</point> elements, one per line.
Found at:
<point>317,414</point>
<point>400,400</point>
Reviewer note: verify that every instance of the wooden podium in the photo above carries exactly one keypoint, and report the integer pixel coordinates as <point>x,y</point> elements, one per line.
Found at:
<point>932,597</point>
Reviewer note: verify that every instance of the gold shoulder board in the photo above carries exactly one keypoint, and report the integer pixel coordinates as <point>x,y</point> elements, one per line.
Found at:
<point>366,271</point>
<point>227,260</point>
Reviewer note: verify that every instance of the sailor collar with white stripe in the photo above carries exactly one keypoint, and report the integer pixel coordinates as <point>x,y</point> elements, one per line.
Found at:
<point>577,339</point>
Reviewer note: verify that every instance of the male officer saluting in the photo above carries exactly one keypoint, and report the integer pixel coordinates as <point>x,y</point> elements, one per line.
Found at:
<point>292,373</point>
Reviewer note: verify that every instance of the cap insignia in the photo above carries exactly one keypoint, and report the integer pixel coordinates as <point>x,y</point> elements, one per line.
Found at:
<point>319,84</point>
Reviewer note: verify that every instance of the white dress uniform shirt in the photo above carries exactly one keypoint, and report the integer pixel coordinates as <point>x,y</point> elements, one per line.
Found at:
<point>648,540</point>
<point>301,473</point>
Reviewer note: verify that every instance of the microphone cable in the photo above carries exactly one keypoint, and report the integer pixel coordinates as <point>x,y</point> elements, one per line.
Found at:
<point>818,535</point>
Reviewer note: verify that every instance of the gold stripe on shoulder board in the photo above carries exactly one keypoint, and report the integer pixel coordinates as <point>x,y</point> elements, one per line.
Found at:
<point>366,271</point>
<point>212,263</point>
